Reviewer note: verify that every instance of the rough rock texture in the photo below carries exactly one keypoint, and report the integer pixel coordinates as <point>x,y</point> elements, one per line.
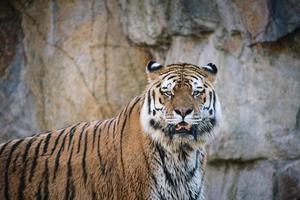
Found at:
<point>288,181</point>
<point>66,61</point>
<point>76,57</point>
<point>17,107</point>
<point>243,181</point>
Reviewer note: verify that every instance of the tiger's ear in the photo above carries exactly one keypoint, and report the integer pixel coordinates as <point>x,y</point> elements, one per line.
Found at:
<point>211,71</point>
<point>153,69</point>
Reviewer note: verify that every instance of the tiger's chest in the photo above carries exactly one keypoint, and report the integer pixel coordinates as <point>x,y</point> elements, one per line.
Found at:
<point>175,179</point>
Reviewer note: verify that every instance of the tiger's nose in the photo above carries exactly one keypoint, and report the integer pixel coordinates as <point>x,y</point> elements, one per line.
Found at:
<point>183,111</point>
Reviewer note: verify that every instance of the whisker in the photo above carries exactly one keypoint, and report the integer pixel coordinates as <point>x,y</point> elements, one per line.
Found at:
<point>173,121</point>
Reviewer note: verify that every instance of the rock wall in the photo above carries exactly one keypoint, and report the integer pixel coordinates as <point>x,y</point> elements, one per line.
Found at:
<point>67,61</point>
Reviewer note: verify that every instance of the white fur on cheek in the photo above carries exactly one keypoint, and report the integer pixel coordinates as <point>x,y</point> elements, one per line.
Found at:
<point>145,118</point>
<point>218,115</point>
<point>190,119</point>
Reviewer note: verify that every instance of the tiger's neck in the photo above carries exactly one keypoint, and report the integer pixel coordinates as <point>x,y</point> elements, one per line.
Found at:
<point>178,173</point>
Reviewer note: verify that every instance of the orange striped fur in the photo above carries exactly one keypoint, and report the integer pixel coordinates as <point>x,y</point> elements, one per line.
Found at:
<point>116,158</point>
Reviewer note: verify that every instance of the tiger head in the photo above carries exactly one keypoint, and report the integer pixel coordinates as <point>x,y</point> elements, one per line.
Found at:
<point>180,104</point>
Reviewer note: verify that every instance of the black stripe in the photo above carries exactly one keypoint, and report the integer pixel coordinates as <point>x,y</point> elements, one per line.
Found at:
<point>121,144</point>
<point>170,77</point>
<point>15,161</point>
<point>70,183</point>
<point>109,124</point>
<point>95,131</point>
<point>80,136</point>
<point>162,156</point>
<point>73,192</point>
<point>214,99</point>
<point>114,130</point>
<point>46,143</point>
<point>56,141</point>
<point>197,193</point>
<point>210,99</point>
<point>153,97</point>
<point>191,173</point>
<point>161,92</point>
<point>6,182</point>
<point>98,153</point>
<point>34,161</point>
<point>3,147</point>
<point>126,108</point>
<point>46,178</point>
<point>154,112</point>
<point>159,99</point>
<point>24,170</point>
<point>58,157</point>
<point>133,105</point>
<point>149,102</point>
<point>202,160</point>
<point>71,134</point>
<point>119,116</point>
<point>38,194</point>
<point>94,197</point>
<point>151,175</point>
<point>123,113</point>
<point>83,161</point>
<point>195,77</point>
<point>114,133</point>
<point>167,74</point>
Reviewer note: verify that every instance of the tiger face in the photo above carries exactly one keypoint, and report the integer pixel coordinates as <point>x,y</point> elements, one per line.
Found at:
<point>180,104</point>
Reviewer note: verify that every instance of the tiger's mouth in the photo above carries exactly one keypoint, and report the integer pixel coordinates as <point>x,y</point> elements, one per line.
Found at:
<point>183,127</point>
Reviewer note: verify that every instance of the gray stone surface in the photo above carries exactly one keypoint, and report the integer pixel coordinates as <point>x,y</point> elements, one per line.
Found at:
<point>145,22</point>
<point>240,181</point>
<point>288,181</point>
<point>193,17</point>
<point>17,107</point>
<point>67,61</point>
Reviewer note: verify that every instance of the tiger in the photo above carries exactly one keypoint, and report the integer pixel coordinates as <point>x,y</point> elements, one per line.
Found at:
<point>153,149</point>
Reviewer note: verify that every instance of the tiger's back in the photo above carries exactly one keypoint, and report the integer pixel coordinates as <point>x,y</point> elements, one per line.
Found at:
<point>74,163</point>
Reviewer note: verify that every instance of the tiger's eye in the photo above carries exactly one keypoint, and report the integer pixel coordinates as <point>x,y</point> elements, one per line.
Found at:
<point>196,93</point>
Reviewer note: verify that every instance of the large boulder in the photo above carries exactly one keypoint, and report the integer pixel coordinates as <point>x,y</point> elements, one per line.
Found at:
<point>267,21</point>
